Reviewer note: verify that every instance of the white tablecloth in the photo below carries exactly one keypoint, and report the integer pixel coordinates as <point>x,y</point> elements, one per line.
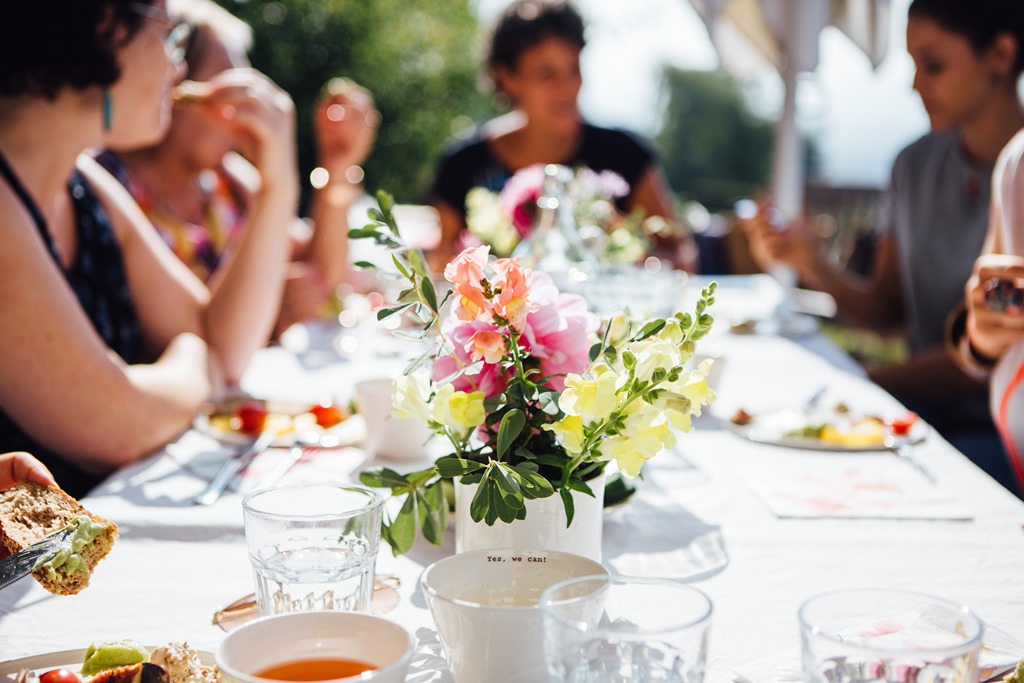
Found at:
<point>695,516</point>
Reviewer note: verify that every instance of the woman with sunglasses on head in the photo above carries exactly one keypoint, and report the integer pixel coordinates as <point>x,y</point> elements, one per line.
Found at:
<point>969,57</point>
<point>197,191</point>
<point>534,61</point>
<point>110,344</point>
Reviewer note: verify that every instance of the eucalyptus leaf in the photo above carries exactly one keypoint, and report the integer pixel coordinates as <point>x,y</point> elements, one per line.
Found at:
<point>451,467</point>
<point>429,293</point>
<point>383,478</point>
<point>388,312</point>
<point>403,528</point>
<point>480,504</point>
<point>648,330</point>
<point>570,506</point>
<point>386,201</point>
<point>532,484</point>
<point>511,426</point>
<point>400,266</point>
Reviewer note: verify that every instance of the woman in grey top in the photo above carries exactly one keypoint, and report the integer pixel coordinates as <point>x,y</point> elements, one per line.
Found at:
<point>968,60</point>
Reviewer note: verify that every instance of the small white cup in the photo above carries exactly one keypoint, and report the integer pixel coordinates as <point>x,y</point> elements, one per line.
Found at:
<point>387,436</point>
<point>299,636</point>
<point>485,606</point>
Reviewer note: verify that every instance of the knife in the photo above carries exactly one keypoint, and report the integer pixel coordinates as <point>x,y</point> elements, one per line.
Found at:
<point>21,563</point>
<point>211,494</point>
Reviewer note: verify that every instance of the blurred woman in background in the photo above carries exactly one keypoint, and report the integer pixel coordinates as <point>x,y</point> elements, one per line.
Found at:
<point>968,59</point>
<point>197,191</point>
<point>534,61</point>
<point>110,344</point>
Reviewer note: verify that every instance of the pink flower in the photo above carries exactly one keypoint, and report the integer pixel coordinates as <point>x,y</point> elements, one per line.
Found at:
<point>519,196</point>
<point>513,286</point>
<point>558,332</point>
<point>488,379</point>
<point>466,272</point>
<point>488,345</point>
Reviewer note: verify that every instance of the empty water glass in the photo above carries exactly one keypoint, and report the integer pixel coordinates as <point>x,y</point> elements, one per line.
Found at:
<point>615,629</point>
<point>313,547</point>
<point>888,636</point>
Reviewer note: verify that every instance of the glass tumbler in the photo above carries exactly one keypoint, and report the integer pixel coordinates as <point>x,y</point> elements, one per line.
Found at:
<point>615,629</point>
<point>313,547</point>
<point>888,636</point>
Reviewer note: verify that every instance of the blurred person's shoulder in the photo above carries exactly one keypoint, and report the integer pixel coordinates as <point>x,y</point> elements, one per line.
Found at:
<point>928,149</point>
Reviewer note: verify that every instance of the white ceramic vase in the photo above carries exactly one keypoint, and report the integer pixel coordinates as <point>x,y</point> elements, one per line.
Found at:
<point>544,527</point>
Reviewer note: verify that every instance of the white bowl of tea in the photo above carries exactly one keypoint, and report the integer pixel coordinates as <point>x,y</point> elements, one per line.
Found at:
<point>330,647</point>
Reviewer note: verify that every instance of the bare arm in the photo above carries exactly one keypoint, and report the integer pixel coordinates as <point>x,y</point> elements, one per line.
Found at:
<point>875,301</point>
<point>61,383</point>
<point>931,374</point>
<point>247,289</point>
<point>345,122</point>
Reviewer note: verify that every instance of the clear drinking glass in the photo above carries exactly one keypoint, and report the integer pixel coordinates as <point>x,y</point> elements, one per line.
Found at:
<point>615,629</point>
<point>313,547</point>
<point>888,636</point>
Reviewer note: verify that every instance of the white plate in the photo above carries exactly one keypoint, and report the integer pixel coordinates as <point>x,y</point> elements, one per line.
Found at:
<point>65,659</point>
<point>771,429</point>
<point>292,419</point>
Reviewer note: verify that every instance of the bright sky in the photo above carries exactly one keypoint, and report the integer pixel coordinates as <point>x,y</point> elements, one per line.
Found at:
<point>861,118</point>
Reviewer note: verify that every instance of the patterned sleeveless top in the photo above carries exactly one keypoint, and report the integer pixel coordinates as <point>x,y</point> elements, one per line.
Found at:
<point>200,246</point>
<point>98,279</point>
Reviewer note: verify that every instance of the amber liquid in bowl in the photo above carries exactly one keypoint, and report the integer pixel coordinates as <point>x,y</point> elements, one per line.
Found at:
<point>315,670</point>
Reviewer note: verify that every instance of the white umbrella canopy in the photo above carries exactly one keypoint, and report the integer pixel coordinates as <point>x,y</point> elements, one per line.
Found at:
<point>785,33</point>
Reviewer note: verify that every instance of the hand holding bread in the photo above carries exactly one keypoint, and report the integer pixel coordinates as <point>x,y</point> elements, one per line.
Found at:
<point>29,511</point>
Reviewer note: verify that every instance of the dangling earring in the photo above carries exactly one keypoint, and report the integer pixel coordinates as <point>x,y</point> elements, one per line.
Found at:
<point>108,111</point>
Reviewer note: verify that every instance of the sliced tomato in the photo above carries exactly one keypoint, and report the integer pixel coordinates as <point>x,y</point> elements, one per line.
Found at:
<point>327,414</point>
<point>901,426</point>
<point>250,418</point>
<point>59,676</point>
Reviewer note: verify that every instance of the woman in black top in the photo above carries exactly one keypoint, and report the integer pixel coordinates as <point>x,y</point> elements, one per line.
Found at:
<point>107,340</point>
<point>534,60</point>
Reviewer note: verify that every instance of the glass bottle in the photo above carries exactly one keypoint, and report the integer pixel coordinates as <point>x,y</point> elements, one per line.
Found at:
<point>554,245</point>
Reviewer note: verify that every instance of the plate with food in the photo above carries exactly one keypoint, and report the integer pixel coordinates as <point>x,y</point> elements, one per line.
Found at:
<point>114,662</point>
<point>239,420</point>
<point>836,429</point>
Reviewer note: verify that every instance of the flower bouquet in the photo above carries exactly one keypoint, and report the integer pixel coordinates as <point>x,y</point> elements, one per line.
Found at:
<point>501,220</point>
<point>533,393</point>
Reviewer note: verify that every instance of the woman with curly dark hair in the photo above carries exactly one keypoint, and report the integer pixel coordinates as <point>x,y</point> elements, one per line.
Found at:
<point>109,343</point>
<point>534,61</point>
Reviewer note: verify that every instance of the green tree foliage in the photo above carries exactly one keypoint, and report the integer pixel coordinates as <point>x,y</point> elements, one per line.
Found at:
<point>715,150</point>
<point>418,57</point>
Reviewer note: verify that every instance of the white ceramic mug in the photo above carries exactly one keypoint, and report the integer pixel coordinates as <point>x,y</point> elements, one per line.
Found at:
<point>387,436</point>
<point>284,638</point>
<point>485,607</point>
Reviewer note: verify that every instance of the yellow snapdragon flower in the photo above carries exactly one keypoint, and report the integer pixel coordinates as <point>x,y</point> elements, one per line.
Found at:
<point>570,430</point>
<point>591,400</point>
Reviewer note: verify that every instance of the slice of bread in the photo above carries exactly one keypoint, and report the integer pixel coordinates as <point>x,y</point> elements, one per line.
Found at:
<point>30,511</point>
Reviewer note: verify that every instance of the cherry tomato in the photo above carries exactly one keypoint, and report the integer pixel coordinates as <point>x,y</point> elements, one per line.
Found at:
<point>901,425</point>
<point>327,414</point>
<point>59,676</point>
<point>250,418</point>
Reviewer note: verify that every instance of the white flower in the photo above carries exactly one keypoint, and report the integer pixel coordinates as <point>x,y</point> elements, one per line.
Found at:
<point>410,396</point>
